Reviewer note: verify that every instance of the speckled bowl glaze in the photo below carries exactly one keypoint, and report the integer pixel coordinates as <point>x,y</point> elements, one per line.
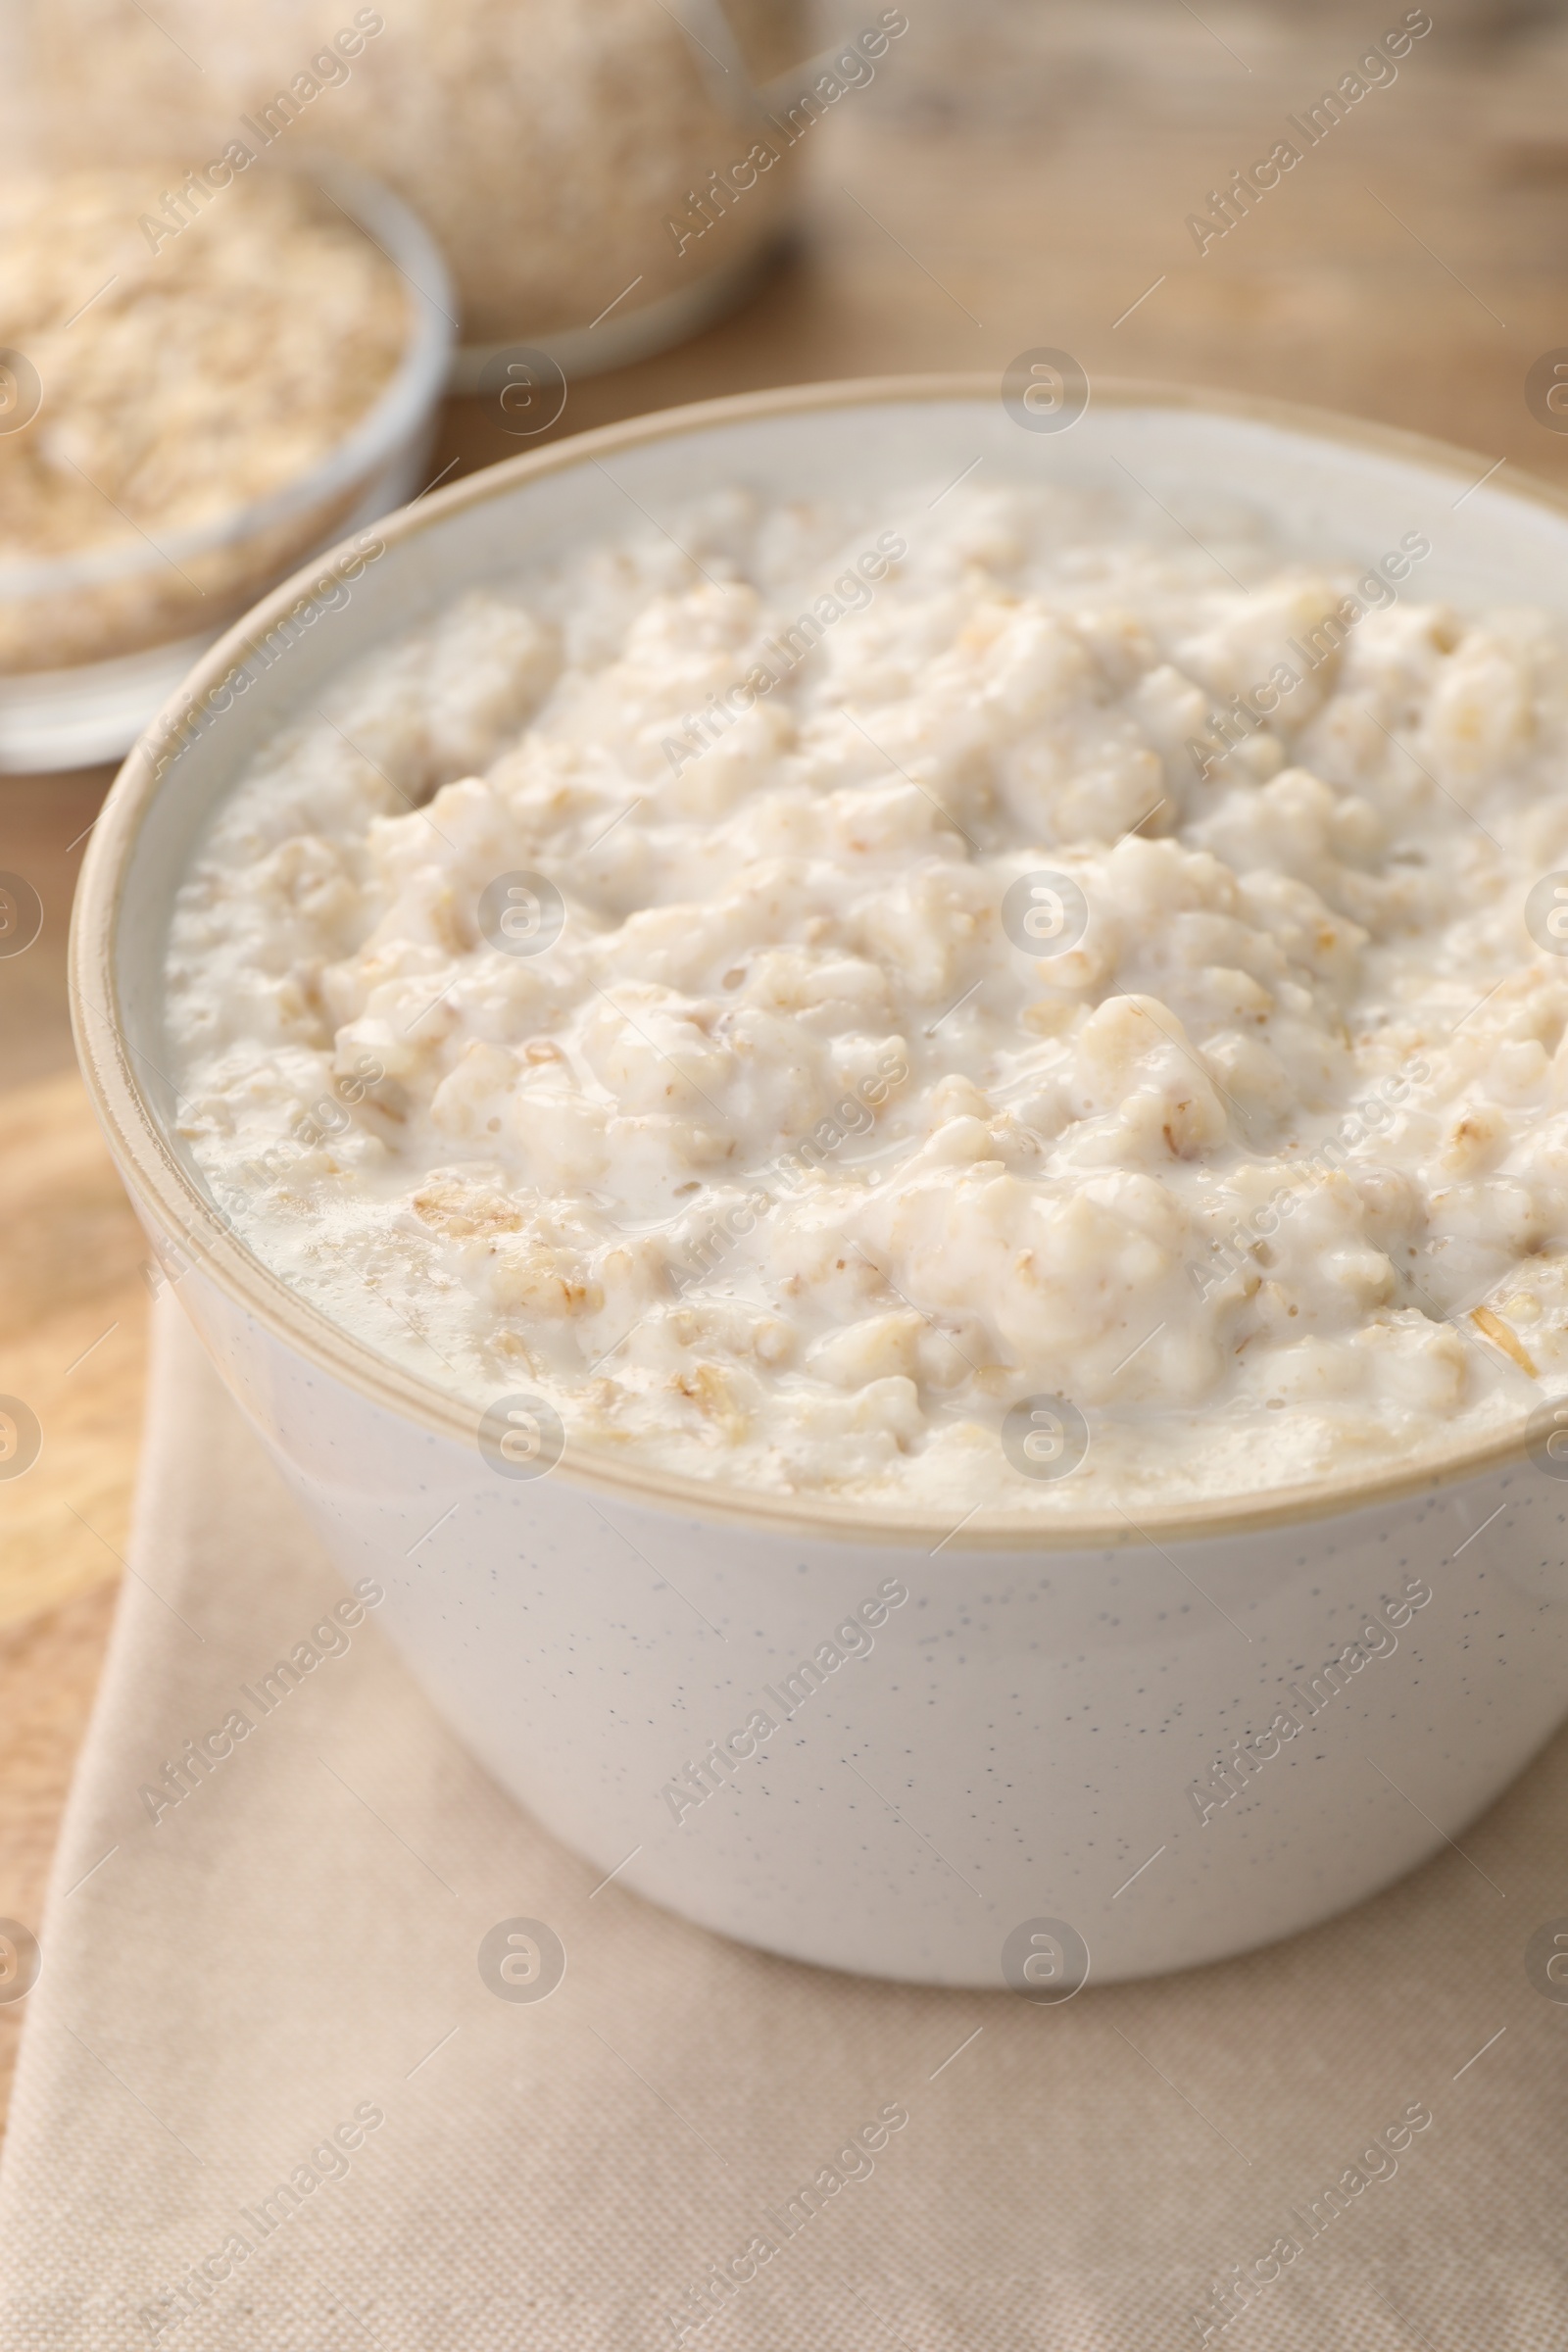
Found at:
<point>975,1755</point>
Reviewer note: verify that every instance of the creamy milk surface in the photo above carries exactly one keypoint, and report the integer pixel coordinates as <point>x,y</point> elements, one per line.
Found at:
<point>982,1003</point>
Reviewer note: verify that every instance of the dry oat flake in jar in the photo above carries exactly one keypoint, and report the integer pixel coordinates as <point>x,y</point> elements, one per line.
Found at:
<point>546,143</point>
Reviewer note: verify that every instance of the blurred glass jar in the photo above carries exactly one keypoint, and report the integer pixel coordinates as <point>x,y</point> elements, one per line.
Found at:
<point>563,153</point>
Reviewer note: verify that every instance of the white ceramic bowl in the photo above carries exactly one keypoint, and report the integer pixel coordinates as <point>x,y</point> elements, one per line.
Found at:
<point>999,1776</point>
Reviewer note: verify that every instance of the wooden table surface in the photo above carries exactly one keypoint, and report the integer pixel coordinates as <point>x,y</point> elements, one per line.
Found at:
<point>1014,177</point>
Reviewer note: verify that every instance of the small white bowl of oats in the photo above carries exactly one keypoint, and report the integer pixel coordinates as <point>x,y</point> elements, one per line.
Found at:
<point>200,385</point>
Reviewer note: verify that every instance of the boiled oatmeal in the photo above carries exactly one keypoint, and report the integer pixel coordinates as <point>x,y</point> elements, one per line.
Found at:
<point>802,992</point>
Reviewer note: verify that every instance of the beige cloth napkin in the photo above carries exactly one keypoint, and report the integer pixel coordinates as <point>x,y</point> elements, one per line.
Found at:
<point>275,1986</point>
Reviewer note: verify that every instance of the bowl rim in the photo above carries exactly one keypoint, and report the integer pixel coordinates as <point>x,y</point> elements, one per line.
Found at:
<point>386,221</point>
<point>179,1211</point>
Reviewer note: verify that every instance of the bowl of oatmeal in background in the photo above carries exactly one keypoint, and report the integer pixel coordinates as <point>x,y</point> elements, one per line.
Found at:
<point>200,387</point>
<point>889,1148</point>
